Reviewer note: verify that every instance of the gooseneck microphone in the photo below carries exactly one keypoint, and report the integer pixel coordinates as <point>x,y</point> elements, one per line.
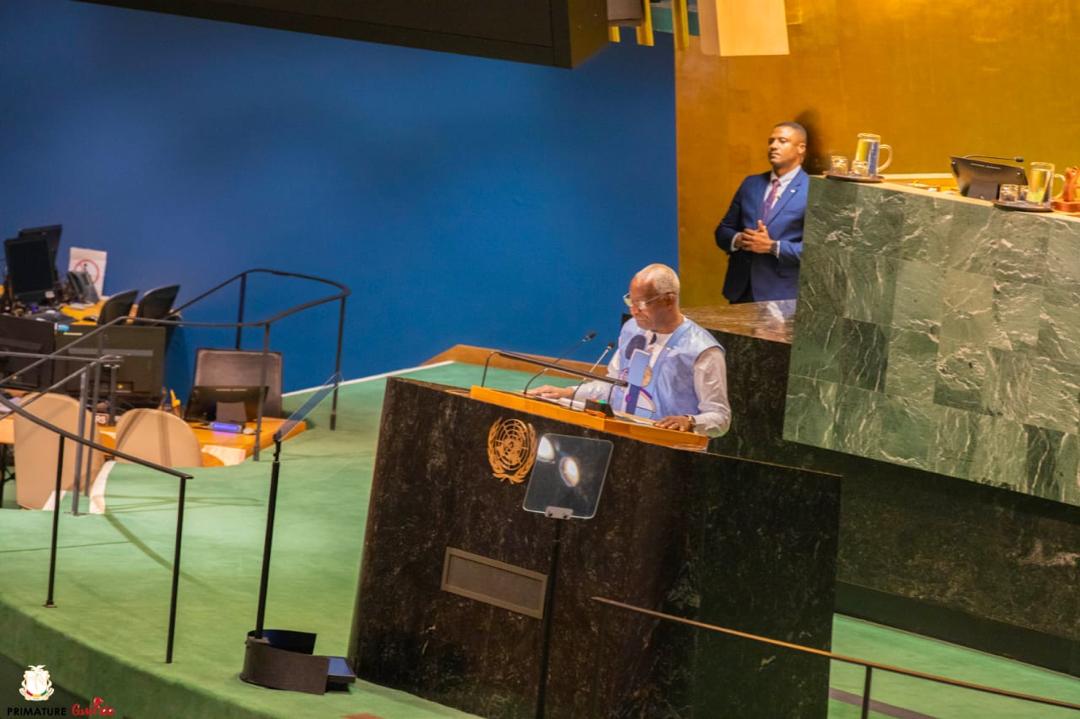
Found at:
<point>607,348</point>
<point>610,346</point>
<point>589,337</point>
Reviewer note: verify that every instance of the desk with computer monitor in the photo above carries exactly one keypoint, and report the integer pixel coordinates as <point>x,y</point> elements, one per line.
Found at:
<point>138,377</point>
<point>39,314</point>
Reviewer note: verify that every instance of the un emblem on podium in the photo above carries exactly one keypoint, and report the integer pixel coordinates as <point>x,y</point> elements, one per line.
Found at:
<point>511,449</point>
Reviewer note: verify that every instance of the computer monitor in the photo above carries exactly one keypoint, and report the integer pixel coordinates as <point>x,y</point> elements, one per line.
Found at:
<point>982,179</point>
<point>139,377</point>
<point>51,233</point>
<point>31,268</point>
<point>19,334</point>
<point>223,404</point>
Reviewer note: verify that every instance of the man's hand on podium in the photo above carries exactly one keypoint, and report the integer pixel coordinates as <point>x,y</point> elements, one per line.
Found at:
<point>681,423</point>
<point>547,391</point>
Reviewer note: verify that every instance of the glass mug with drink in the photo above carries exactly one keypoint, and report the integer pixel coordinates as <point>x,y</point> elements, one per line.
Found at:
<point>1041,178</point>
<point>868,150</point>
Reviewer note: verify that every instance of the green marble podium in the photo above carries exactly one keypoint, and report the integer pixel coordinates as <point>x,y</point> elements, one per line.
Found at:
<point>934,368</point>
<point>982,566</point>
<point>942,334</point>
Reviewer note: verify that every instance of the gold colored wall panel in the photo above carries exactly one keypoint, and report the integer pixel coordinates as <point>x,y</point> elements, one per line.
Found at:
<point>932,78</point>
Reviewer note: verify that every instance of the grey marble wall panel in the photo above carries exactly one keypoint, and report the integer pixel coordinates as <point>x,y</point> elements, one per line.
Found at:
<point>939,334</point>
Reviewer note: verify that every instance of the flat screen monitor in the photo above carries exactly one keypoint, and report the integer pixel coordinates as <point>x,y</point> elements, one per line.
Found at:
<point>31,268</point>
<point>19,334</point>
<point>142,368</point>
<point>223,404</point>
<point>51,233</point>
<point>982,179</point>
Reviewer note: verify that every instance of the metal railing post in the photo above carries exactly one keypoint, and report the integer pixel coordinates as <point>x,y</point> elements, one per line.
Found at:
<point>866,694</point>
<point>262,389</point>
<point>81,425</point>
<point>175,572</point>
<point>240,311</point>
<point>95,394</point>
<point>55,522</point>
<point>337,363</point>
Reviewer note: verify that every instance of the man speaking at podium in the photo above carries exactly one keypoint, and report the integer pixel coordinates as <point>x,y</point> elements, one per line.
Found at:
<point>676,369</point>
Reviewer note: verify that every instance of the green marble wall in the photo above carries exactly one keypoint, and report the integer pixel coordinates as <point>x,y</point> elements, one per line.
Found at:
<point>939,334</point>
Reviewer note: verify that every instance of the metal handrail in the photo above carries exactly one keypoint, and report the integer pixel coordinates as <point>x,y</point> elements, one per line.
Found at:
<point>345,291</point>
<point>340,297</point>
<point>239,325</point>
<point>868,665</point>
<point>83,442</point>
<point>89,362</point>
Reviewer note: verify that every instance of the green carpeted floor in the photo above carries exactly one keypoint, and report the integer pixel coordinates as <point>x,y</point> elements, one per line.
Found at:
<point>106,637</point>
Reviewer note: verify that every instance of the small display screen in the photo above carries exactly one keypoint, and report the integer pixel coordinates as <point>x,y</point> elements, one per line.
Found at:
<point>30,266</point>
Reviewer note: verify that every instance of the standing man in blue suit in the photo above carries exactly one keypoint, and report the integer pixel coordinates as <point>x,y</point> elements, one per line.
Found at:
<point>762,230</point>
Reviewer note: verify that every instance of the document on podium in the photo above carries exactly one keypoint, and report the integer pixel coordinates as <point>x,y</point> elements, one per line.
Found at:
<point>636,419</point>
<point>579,405</point>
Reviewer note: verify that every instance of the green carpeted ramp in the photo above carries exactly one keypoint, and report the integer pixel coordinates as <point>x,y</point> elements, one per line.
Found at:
<point>106,636</point>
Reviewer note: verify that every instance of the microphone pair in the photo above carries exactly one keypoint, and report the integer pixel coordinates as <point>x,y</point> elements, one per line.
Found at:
<point>589,337</point>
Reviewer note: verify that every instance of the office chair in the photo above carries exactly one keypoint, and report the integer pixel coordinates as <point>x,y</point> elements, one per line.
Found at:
<point>241,368</point>
<point>119,305</point>
<point>157,303</point>
<point>36,450</point>
<point>158,436</point>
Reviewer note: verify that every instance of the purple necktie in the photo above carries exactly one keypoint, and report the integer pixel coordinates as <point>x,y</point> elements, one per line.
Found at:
<point>766,210</point>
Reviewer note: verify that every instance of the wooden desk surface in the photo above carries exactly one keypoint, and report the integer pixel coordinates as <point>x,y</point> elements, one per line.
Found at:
<point>218,448</point>
<point>80,315</point>
<point>625,428</point>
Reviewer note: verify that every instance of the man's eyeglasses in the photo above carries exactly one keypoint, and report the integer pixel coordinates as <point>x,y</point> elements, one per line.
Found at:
<point>642,304</point>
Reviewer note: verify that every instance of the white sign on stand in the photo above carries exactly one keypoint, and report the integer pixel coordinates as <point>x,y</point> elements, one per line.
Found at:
<point>93,262</point>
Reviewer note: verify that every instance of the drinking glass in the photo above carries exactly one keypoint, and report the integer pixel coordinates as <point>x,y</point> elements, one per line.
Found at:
<point>1040,182</point>
<point>868,149</point>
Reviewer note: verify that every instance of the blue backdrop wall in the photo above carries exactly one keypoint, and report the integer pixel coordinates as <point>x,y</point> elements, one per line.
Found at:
<point>463,200</point>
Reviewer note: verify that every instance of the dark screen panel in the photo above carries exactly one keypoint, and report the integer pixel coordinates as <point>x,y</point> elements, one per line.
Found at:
<point>31,267</point>
<point>51,233</point>
<point>19,334</point>
<point>142,349</point>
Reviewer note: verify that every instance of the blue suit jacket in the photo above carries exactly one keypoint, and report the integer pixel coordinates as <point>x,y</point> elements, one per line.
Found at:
<point>769,277</point>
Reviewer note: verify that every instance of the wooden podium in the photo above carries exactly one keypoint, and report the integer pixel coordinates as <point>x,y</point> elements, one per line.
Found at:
<point>610,425</point>
<point>454,572</point>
